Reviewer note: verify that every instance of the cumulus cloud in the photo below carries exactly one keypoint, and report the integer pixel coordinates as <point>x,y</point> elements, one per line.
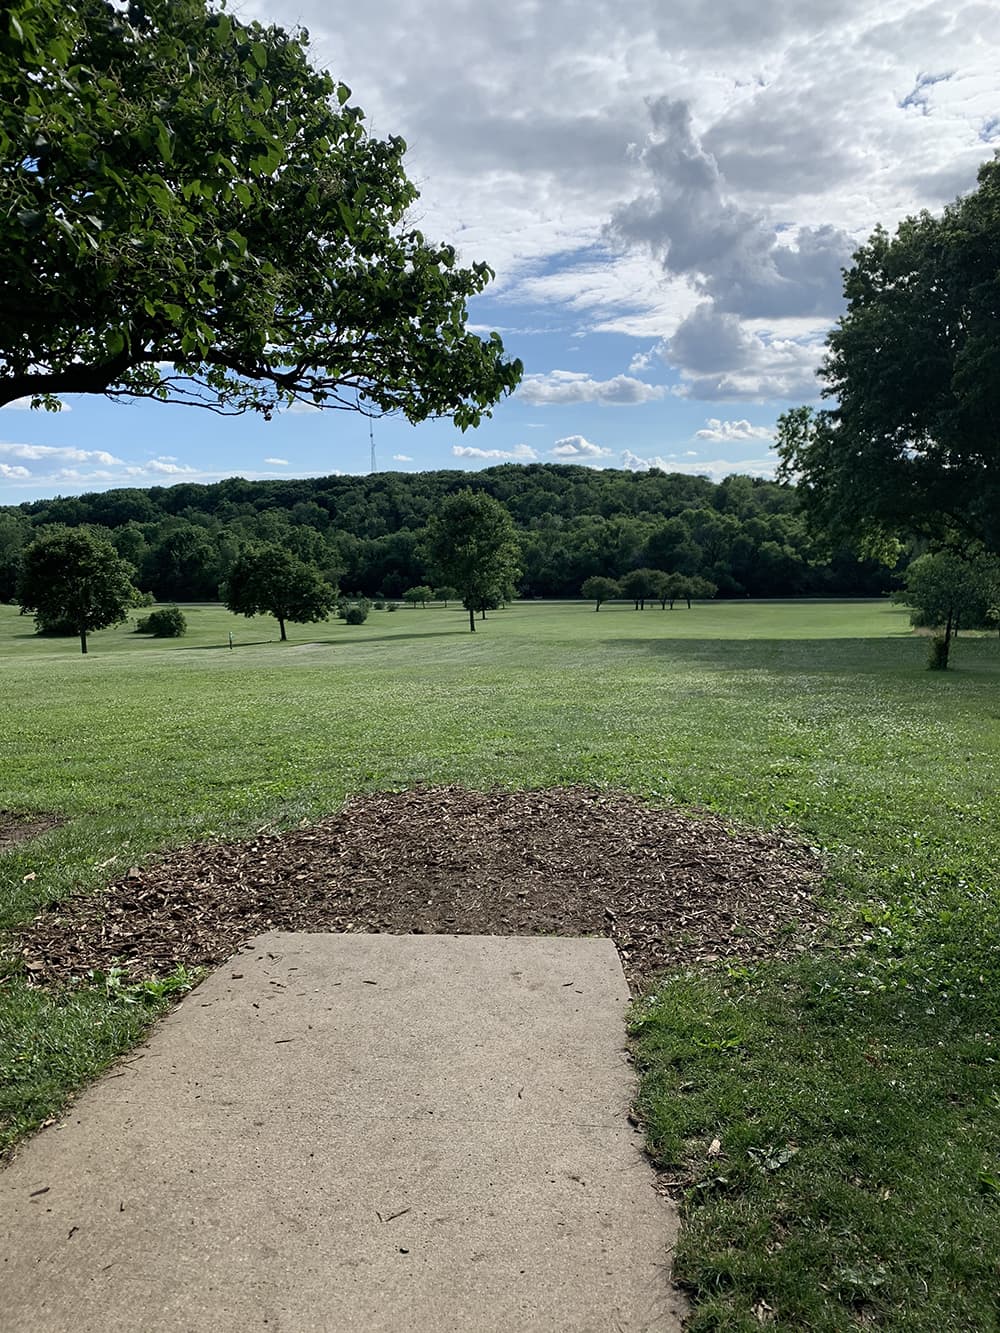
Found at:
<point>521,453</point>
<point>720,358</point>
<point>734,254</point>
<point>734,432</point>
<point>571,386</point>
<point>715,468</point>
<point>576,446</point>
<point>46,469</point>
<point>55,453</point>
<point>166,467</point>
<point>402,458</point>
<point>277,462</point>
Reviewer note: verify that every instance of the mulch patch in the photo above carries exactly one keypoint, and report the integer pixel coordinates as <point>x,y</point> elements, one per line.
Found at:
<point>669,886</point>
<point>19,828</point>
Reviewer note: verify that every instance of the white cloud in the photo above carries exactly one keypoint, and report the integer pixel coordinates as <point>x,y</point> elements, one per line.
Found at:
<point>277,462</point>
<point>54,453</point>
<point>716,468</point>
<point>24,405</point>
<point>521,453</point>
<point>733,431</point>
<point>571,386</point>
<point>575,446</point>
<point>13,473</point>
<point>402,458</point>
<point>163,467</point>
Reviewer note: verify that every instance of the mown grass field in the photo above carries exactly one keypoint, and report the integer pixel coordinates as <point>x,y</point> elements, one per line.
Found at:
<point>854,1095</point>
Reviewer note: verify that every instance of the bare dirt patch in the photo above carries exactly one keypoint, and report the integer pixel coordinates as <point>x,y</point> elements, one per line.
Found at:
<point>668,886</point>
<point>20,828</point>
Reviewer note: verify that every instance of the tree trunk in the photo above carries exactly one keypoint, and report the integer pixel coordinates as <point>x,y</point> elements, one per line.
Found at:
<point>472,620</point>
<point>83,641</point>
<point>281,626</point>
<point>482,613</point>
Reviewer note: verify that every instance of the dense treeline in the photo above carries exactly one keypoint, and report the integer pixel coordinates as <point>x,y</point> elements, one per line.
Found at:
<point>746,535</point>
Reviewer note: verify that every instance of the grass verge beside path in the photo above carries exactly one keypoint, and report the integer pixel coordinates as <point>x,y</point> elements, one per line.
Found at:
<point>856,1182</point>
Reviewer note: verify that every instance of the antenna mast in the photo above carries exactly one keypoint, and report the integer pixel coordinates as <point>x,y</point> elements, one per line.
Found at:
<point>371,441</point>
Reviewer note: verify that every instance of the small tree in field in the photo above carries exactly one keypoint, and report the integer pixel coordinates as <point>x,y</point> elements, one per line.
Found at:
<point>447,594</point>
<point>697,588</point>
<point>73,577</point>
<point>946,590</point>
<point>272,580</point>
<point>472,543</point>
<point>419,596</point>
<point>638,584</point>
<point>598,589</point>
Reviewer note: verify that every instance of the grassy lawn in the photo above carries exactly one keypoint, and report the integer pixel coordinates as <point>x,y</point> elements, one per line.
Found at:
<point>854,1096</point>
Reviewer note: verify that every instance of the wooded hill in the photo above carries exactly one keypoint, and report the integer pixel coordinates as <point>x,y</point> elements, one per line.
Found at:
<point>746,535</point>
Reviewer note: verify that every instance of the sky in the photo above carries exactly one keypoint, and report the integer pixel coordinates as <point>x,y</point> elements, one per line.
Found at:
<point>667,193</point>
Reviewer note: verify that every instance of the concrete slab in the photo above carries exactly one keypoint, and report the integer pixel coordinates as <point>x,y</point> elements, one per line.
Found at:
<point>340,1132</point>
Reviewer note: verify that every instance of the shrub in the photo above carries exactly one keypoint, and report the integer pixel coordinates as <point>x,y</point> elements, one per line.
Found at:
<point>167,623</point>
<point>380,605</point>
<point>391,606</point>
<point>356,615</point>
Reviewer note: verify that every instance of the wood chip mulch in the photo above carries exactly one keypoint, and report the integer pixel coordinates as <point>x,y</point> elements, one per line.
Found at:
<point>669,886</point>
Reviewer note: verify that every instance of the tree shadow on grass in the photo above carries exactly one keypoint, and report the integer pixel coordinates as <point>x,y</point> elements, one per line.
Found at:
<point>362,640</point>
<point>834,656</point>
<point>224,647</point>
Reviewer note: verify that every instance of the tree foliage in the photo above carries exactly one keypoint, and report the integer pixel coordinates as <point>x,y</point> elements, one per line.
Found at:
<point>73,577</point>
<point>949,590</point>
<point>598,589</point>
<point>913,441</point>
<point>271,580</point>
<point>366,532</point>
<point>182,189</point>
<point>472,545</point>
<point>419,595</point>
<point>638,584</point>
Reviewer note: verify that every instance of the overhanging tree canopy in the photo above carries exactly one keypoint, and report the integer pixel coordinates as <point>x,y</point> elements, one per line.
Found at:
<point>913,443</point>
<point>190,211</point>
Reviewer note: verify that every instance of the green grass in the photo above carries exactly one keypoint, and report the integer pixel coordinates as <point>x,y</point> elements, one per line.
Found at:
<point>875,1065</point>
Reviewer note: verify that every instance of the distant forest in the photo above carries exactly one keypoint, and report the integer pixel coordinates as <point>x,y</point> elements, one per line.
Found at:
<point>746,535</point>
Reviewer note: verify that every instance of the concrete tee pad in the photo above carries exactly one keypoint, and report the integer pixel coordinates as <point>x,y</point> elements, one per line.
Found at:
<point>339,1132</point>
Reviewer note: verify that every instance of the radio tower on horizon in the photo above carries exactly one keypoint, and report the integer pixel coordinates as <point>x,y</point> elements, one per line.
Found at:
<point>371,441</point>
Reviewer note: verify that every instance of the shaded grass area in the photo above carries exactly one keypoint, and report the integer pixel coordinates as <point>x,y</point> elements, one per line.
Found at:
<point>836,1146</point>
<point>876,1067</point>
